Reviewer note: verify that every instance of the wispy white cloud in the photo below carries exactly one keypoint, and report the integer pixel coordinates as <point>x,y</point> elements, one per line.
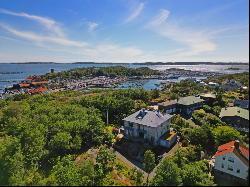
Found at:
<point>59,47</point>
<point>34,37</point>
<point>49,23</point>
<point>197,41</point>
<point>73,50</point>
<point>92,26</point>
<point>160,18</point>
<point>135,13</point>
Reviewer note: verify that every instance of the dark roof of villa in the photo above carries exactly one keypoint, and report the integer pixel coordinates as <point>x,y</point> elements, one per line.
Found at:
<point>148,118</point>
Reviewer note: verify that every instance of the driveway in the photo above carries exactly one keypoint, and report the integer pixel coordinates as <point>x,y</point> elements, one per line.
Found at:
<point>152,174</point>
<point>170,153</point>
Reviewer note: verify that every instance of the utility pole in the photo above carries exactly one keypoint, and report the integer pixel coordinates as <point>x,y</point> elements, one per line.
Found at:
<point>107,116</point>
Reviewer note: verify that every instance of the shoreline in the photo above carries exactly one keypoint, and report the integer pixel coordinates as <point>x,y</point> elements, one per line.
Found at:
<point>174,74</point>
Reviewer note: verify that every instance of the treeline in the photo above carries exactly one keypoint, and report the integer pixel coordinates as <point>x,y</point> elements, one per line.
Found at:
<point>119,103</point>
<point>243,78</point>
<point>103,71</point>
<point>182,89</point>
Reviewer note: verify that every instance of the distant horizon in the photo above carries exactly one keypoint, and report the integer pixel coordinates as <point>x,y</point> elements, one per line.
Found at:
<point>158,62</point>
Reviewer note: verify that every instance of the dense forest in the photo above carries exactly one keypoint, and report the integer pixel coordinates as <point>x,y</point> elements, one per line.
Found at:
<point>40,136</point>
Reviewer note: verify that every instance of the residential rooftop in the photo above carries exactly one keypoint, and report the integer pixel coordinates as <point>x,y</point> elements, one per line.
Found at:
<point>168,103</point>
<point>234,111</point>
<point>190,100</point>
<point>208,95</point>
<point>242,103</point>
<point>148,118</point>
<point>241,152</point>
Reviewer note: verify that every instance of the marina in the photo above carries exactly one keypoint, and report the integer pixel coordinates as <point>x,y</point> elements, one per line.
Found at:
<point>7,79</point>
<point>19,83</point>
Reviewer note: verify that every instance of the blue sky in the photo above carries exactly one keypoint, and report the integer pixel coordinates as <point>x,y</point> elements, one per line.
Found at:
<point>124,30</point>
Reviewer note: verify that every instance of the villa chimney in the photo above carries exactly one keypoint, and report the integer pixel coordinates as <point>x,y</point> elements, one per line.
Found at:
<point>143,112</point>
<point>237,144</point>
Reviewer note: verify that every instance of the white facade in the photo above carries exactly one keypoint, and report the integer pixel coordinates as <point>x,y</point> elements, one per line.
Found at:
<point>229,163</point>
<point>152,134</point>
<point>213,84</point>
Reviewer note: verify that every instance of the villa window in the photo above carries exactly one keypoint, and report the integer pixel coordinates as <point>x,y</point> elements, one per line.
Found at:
<point>224,158</point>
<point>152,139</point>
<point>230,159</point>
<point>230,168</point>
<point>131,124</point>
<point>238,170</point>
<point>222,165</point>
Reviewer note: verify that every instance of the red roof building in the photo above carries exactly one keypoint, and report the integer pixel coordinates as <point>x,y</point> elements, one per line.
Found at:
<point>30,78</point>
<point>230,147</point>
<point>23,85</point>
<point>38,90</point>
<point>233,159</point>
<point>39,83</point>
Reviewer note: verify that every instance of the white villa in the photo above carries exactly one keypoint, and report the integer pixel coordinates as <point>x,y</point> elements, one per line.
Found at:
<point>147,125</point>
<point>232,159</point>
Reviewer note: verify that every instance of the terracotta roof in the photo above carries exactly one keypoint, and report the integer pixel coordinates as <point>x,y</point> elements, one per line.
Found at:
<point>229,147</point>
<point>41,82</point>
<point>38,90</point>
<point>24,85</point>
<point>30,78</point>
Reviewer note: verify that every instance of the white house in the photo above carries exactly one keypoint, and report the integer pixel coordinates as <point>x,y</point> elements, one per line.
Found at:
<point>213,84</point>
<point>232,159</point>
<point>147,125</point>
